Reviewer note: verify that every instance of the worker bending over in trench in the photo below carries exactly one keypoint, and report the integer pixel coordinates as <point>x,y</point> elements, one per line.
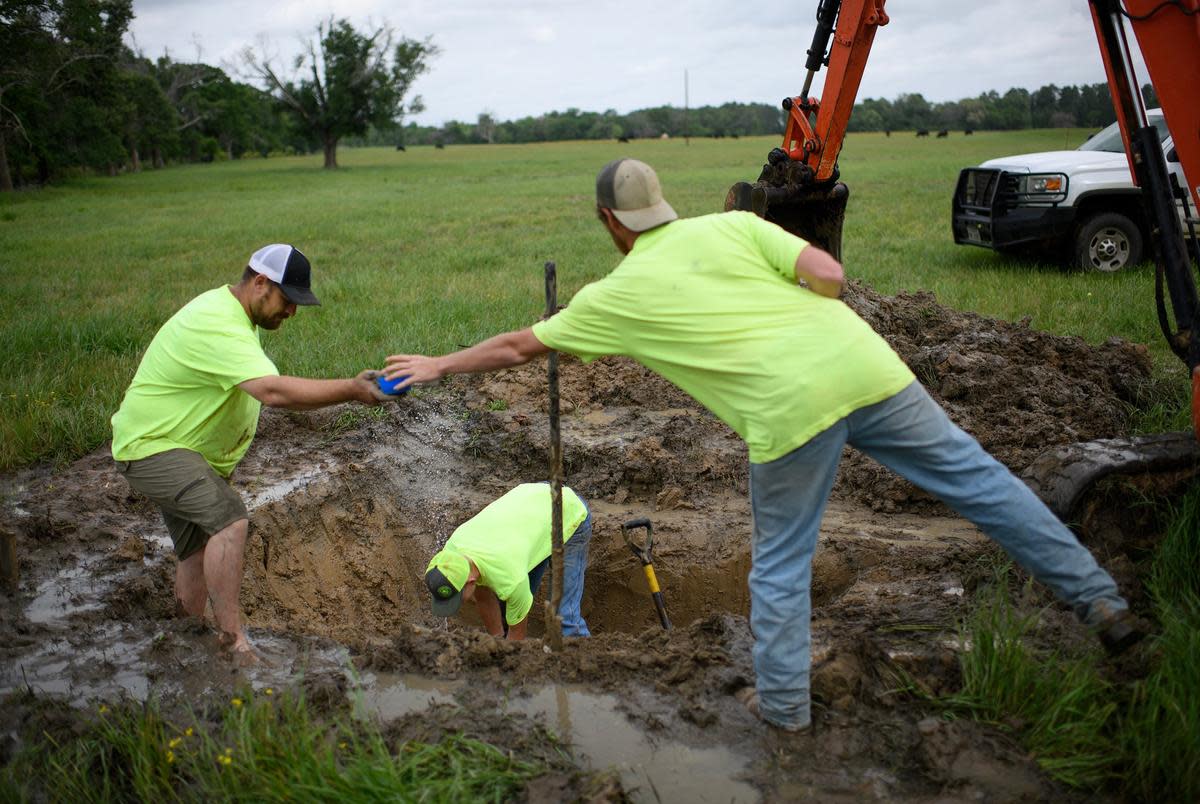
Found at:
<point>746,318</point>
<point>190,414</point>
<point>497,559</point>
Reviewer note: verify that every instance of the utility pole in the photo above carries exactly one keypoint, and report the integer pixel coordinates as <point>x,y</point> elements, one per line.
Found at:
<point>687,131</point>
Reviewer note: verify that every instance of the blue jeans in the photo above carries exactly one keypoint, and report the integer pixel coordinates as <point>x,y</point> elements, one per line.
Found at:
<point>575,557</point>
<point>910,434</point>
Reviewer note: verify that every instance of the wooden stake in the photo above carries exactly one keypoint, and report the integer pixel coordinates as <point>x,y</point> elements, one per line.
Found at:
<point>10,575</point>
<point>553,620</point>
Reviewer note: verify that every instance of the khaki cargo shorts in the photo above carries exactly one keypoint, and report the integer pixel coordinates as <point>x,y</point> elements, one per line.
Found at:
<point>195,501</point>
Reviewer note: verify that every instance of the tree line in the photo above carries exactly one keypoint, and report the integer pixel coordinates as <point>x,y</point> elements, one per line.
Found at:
<point>75,98</point>
<point>1085,106</point>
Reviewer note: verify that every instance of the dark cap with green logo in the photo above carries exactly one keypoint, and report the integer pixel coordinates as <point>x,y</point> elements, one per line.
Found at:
<point>446,576</point>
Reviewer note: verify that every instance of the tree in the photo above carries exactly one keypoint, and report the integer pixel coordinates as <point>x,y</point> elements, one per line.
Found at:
<point>59,88</point>
<point>485,127</point>
<point>149,119</point>
<point>1149,96</point>
<point>347,81</point>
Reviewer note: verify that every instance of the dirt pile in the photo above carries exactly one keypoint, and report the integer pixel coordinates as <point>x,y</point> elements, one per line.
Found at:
<point>1017,390</point>
<point>627,431</point>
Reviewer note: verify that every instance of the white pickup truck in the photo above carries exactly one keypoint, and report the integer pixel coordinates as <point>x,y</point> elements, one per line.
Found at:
<point>1079,206</point>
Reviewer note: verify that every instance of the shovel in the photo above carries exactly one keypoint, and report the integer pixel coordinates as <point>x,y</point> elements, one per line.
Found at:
<point>644,551</point>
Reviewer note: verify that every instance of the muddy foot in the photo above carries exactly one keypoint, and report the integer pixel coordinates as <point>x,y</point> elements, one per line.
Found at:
<point>748,697</point>
<point>240,651</point>
<point>247,657</point>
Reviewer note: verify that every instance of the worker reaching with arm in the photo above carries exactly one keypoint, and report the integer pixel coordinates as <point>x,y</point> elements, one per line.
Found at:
<point>714,304</point>
<point>192,410</point>
<point>496,559</point>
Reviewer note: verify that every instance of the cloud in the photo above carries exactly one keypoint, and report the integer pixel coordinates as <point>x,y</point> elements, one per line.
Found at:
<point>542,33</point>
<point>527,57</point>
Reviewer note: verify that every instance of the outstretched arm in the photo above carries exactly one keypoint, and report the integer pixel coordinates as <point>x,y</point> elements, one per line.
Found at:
<point>820,271</point>
<point>300,393</point>
<point>501,351</point>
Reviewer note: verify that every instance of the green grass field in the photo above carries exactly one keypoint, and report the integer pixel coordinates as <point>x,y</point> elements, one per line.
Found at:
<point>429,249</point>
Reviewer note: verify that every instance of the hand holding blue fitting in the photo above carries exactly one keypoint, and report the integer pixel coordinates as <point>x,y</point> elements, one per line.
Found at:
<point>389,386</point>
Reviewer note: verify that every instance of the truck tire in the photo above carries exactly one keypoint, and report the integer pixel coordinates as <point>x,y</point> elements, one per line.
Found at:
<point>1108,242</point>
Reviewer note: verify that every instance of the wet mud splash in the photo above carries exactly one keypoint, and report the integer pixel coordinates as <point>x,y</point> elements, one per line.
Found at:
<point>347,507</point>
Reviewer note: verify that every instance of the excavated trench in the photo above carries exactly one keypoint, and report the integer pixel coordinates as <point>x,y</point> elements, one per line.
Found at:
<point>343,554</point>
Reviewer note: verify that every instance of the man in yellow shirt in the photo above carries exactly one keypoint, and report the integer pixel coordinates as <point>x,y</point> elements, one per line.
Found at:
<point>496,559</point>
<point>191,412</point>
<point>746,318</point>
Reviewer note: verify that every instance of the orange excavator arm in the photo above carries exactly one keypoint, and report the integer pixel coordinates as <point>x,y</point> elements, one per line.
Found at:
<point>815,129</point>
<point>798,187</point>
<point>1168,32</point>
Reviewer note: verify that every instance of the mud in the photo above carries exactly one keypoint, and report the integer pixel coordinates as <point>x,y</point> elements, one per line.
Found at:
<point>348,505</point>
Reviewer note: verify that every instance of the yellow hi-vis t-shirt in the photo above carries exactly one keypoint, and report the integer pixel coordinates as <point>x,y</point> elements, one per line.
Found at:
<point>712,304</point>
<point>512,536</point>
<point>185,394</point>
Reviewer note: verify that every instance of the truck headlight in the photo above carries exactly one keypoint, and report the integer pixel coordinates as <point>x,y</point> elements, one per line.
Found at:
<point>1044,187</point>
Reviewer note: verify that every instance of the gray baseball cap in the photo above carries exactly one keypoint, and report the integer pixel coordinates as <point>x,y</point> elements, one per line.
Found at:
<point>631,190</point>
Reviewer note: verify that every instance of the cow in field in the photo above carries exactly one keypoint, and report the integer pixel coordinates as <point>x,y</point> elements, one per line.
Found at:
<point>922,132</point>
<point>943,133</point>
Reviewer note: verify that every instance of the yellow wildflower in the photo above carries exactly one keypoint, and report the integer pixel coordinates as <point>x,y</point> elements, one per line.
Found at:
<point>187,732</point>
<point>236,701</point>
<point>175,741</point>
<point>103,709</point>
<point>225,760</point>
<point>269,691</point>
<point>342,745</point>
<point>170,757</point>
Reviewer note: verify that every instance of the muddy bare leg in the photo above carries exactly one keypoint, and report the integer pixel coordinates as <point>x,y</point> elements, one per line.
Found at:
<point>191,592</point>
<point>223,572</point>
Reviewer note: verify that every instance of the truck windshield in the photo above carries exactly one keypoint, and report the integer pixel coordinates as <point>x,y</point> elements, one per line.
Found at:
<point>1110,138</point>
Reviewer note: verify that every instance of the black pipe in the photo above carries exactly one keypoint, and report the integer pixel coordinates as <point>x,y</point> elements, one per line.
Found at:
<point>827,12</point>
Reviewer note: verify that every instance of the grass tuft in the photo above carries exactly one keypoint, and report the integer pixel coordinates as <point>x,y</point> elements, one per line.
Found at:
<point>1063,705</point>
<point>1139,737</point>
<point>260,748</point>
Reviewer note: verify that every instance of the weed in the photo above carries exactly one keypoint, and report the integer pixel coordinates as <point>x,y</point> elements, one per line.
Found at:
<point>1084,730</point>
<point>354,417</point>
<point>260,748</point>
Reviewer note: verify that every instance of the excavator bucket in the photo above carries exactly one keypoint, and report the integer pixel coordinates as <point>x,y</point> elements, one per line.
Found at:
<point>787,195</point>
<point>1063,476</point>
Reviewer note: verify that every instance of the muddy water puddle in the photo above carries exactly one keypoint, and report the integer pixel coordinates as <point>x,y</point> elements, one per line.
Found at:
<point>70,591</point>
<point>652,768</point>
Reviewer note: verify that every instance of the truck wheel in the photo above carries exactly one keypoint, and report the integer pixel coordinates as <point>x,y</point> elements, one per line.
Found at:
<point>1108,242</point>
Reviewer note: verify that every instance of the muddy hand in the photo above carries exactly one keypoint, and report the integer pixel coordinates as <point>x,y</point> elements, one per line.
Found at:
<point>369,392</point>
<point>417,369</point>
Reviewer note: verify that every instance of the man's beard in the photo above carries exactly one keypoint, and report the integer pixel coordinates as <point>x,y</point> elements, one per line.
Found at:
<point>265,322</point>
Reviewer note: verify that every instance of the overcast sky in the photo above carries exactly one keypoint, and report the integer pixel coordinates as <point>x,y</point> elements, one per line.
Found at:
<point>525,57</point>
